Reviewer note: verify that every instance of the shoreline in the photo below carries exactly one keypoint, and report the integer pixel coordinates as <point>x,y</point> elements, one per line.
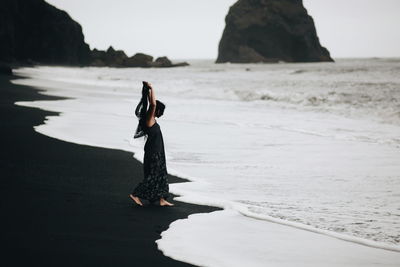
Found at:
<point>184,238</point>
<point>67,204</point>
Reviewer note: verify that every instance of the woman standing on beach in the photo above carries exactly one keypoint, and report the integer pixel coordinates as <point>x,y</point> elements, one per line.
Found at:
<point>154,186</point>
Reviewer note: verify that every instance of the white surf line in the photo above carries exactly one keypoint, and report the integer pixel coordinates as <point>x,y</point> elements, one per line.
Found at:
<point>227,205</point>
<point>229,239</point>
<point>353,239</point>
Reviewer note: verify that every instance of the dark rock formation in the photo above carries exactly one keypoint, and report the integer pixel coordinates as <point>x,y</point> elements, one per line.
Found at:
<point>180,64</point>
<point>139,60</point>
<point>117,58</point>
<point>163,62</point>
<point>270,31</point>
<point>33,30</point>
<point>111,57</point>
<point>98,58</point>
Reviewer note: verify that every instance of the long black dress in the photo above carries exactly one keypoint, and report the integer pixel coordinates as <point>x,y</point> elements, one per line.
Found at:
<point>155,183</point>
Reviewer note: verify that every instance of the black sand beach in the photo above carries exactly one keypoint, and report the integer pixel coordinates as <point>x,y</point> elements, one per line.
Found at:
<point>64,204</point>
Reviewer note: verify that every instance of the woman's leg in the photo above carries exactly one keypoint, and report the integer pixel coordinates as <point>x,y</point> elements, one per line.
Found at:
<point>139,189</point>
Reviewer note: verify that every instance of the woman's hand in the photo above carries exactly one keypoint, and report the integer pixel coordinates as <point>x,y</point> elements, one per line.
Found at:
<point>152,95</point>
<point>148,85</point>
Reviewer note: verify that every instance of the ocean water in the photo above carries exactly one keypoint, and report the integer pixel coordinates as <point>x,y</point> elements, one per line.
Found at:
<point>315,146</point>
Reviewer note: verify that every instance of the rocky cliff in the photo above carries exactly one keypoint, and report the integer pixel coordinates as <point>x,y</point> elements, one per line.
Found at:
<point>270,31</point>
<point>35,31</point>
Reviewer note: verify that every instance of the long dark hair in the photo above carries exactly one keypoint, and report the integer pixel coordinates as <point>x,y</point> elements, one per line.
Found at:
<point>141,112</point>
<point>160,107</point>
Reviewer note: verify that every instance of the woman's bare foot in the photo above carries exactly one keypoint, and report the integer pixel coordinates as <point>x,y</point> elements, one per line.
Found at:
<point>163,202</point>
<point>136,199</point>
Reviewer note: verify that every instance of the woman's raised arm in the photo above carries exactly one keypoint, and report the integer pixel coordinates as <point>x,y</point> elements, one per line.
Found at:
<point>152,109</point>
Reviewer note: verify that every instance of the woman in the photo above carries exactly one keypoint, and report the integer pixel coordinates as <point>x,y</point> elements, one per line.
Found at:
<point>154,186</point>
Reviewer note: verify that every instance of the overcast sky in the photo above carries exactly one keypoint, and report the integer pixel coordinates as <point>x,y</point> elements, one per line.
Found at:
<point>184,29</point>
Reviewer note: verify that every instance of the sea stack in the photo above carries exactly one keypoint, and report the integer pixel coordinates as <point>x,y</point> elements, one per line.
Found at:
<point>270,31</point>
